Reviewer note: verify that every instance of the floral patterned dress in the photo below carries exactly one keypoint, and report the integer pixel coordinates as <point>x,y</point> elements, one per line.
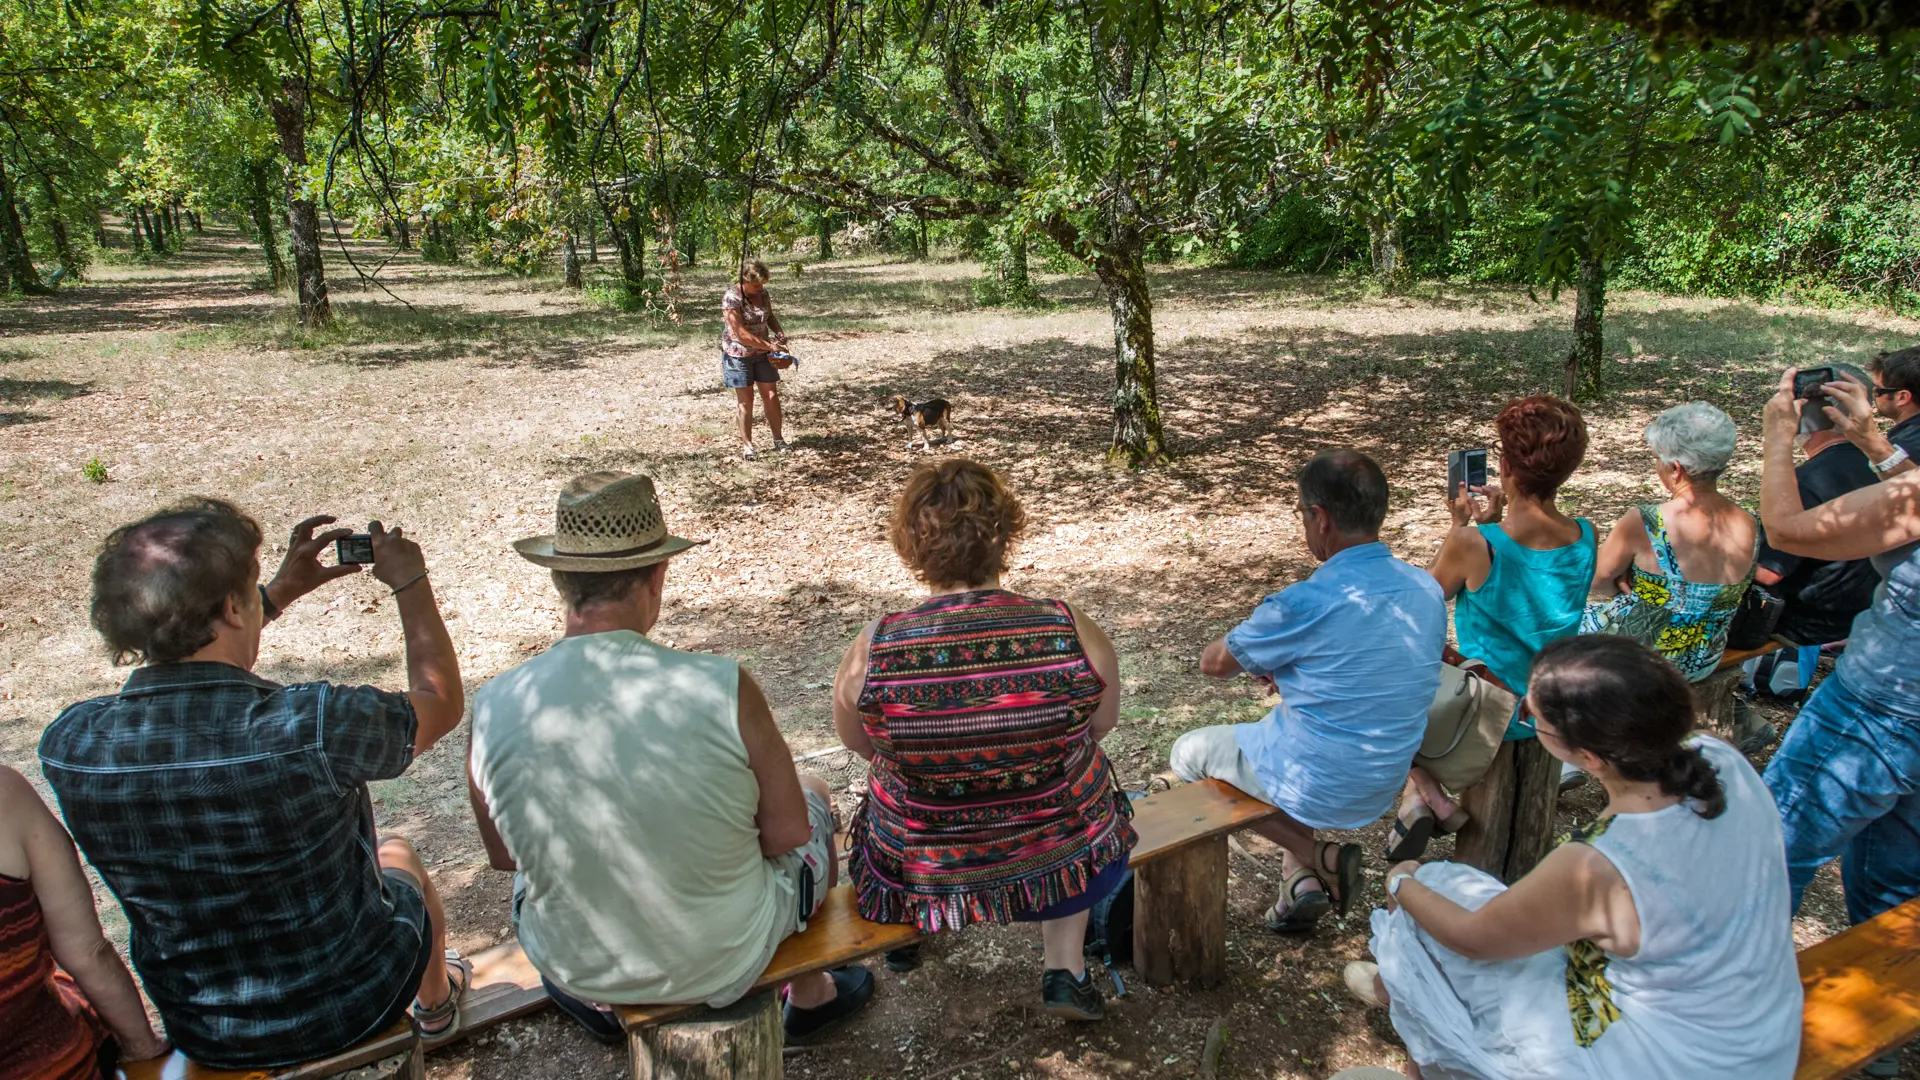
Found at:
<point>1684,621</point>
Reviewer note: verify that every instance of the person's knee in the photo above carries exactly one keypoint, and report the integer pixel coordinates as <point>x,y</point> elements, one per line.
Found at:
<point>815,784</point>
<point>398,851</point>
<point>769,391</point>
<point>1188,758</point>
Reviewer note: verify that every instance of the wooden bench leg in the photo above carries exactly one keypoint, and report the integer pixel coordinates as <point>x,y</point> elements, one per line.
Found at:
<point>740,1042</point>
<point>1180,916</point>
<point>1512,812</point>
<point>1713,701</point>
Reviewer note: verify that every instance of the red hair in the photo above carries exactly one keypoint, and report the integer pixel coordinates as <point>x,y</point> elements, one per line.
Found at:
<point>1542,441</point>
<point>954,521</point>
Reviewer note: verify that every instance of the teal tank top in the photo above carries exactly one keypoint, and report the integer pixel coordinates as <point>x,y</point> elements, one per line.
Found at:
<point>1529,598</point>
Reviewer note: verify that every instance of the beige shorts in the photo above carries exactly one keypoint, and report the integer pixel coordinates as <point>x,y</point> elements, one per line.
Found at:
<point>1214,752</point>
<point>813,859</point>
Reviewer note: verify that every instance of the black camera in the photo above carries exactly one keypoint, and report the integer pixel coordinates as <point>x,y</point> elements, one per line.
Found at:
<point>1467,467</point>
<point>357,548</point>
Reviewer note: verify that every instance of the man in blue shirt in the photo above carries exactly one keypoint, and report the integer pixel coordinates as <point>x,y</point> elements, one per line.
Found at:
<point>1354,652</point>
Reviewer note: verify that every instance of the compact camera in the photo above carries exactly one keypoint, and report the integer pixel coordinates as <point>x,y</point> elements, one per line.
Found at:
<point>357,548</point>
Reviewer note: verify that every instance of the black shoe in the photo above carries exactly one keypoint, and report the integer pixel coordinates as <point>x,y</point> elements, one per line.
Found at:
<point>853,986</point>
<point>602,1026</point>
<point>1075,999</point>
<point>904,959</point>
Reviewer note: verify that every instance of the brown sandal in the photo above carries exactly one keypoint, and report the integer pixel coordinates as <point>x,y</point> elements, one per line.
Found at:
<point>1296,912</point>
<point>1345,871</point>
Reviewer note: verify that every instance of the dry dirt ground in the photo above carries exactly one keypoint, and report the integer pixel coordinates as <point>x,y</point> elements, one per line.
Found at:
<point>460,417</point>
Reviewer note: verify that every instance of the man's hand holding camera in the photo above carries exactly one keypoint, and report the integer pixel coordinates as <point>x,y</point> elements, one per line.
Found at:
<point>301,571</point>
<point>397,561</point>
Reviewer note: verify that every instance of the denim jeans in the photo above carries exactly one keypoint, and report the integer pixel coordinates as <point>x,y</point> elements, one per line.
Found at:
<point>1847,781</point>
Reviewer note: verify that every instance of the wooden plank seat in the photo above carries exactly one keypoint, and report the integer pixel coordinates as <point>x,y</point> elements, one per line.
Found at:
<point>1713,695</point>
<point>1862,994</point>
<point>504,986</point>
<point>1180,931</point>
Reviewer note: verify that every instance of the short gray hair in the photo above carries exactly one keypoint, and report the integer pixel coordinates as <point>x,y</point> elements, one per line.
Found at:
<point>1696,436</point>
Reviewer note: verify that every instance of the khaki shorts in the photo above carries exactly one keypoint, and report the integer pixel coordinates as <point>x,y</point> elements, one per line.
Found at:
<point>1214,752</point>
<point>813,859</point>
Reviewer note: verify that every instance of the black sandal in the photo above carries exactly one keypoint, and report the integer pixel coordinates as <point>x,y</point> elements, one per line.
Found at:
<point>1345,871</point>
<point>1302,911</point>
<point>1409,841</point>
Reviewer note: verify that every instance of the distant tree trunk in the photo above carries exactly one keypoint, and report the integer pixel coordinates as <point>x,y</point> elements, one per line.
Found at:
<point>173,223</point>
<point>1584,371</point>
<point>1138,437</point>
<point>193,219</point>
<point>303,218</point>
<point>405,230</point>
<point>669,261</point>
<point>593,241</point>
<point>57,224</point>
<point>260,205</point>
<point>825,228</point>
<point>570,263</point>
<point>133,226</point>
<point>693,246</point>
<point>630,239</point>
<point>15,256</point>
<point>99,227</point>
<point>156,229</point>
<point>923,251</point>
<point>1016,284</point>
<point>1389,260</point>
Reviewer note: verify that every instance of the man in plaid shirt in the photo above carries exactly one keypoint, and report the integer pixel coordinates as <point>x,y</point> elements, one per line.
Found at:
<point>230,814</point>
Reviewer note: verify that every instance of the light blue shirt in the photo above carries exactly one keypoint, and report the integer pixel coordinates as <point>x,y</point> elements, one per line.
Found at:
<point>1355,653</point>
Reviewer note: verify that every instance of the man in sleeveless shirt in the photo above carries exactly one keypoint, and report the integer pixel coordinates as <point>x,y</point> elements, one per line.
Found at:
<point>663,841</point>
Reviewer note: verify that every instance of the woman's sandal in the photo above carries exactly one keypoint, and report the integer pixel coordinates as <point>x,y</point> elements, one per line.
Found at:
<point>440,1024</point>
<point>1409,839</point>
<point>1301,911</point>
<point>1345,871</point>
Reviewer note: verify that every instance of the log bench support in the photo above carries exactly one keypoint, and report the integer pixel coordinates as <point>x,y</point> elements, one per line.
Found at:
<point>409,1064</point>
<point>1180,915</point>
<point>740,1042</point>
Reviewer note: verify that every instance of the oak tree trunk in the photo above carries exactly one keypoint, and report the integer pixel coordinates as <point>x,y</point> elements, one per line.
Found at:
<point>824,229</point>
<point>303,217</point>
<point>15,256</point>
<point>1389,259</point>
<point>1584,371</point>
<point>1138,438</point>
<point>570,263</point>
<point>260,205</point>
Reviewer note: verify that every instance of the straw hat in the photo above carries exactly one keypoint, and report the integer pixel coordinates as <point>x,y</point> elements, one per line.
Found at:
<point>605,521</point>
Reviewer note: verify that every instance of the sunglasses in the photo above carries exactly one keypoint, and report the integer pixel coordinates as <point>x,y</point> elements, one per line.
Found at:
<point>1878,390</point>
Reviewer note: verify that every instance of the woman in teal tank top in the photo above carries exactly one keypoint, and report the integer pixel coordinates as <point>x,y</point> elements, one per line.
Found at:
<point>1517,570</point>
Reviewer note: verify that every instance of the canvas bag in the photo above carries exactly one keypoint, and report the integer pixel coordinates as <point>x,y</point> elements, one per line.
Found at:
<point>1465,726</point>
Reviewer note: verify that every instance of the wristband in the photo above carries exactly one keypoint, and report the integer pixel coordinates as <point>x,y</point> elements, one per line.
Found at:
<point>1892,461</point>
<point>1393,884</point>
<point>267,606</point>
<point>408,583</point>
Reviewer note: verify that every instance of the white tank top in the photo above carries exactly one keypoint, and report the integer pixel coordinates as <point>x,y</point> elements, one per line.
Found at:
<point>614,770</point>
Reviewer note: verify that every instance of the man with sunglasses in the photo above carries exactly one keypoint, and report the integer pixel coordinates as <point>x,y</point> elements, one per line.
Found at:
<point>1895,396</point>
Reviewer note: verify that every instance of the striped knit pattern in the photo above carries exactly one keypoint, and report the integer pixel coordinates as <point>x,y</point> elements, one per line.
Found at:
<point>47,1029</point>
<point>988,798</point>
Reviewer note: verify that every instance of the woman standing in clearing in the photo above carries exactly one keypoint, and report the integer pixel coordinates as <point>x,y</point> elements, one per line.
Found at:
<point>749,331</point>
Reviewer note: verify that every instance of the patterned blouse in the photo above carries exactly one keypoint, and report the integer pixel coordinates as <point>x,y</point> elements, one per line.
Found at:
<point>989,798</point>
<point>1684,621</point>
<point>51,1031</point>
<point>753,316</point>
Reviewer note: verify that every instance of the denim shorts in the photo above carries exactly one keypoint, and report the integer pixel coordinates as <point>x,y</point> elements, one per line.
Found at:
<point>740,372</point>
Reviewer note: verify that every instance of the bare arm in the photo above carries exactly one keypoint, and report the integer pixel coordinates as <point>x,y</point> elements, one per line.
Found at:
<point>782,816</point>
<point>300,570</point>
<point>1574,893</point>
<point>498,856</point>
<point>1462,562</point>
<point>1858,524</point>
<point>848,683</point>
<point>1106,664</point>
<point>1217,662</point>
<point>73,927</point>
<point>744,336</point>
<point>433,671</point>
<point>1616,554</point>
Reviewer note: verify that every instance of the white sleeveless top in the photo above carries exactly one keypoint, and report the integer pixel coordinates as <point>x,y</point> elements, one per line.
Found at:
<point>614,770</point>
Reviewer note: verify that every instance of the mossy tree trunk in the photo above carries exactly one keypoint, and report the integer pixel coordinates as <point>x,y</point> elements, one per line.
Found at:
<point>823,228</point>
<point>303,217</point>
<point>1138,437</point>
<point>15,256</point>
<point>1389,258</point>
<point>1016,282</point>
<point>1585,376</point>
<point>260,206</point>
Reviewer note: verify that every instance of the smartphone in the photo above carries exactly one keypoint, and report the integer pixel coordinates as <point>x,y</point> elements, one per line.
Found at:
<point>1467,467</point>
<point>1808,381</point>
<point>357,548</point>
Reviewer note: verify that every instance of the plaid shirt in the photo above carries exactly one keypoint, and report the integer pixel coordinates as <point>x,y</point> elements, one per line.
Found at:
<point>230,815</point>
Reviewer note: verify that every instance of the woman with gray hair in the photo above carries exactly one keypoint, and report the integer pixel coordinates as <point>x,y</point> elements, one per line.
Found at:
<point>1674,572</point>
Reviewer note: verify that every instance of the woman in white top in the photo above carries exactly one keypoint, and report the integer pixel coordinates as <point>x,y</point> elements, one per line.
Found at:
<point>1656,943</point>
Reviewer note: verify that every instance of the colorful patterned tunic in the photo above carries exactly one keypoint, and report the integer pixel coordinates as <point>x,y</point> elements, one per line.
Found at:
<point>988,798</point>
<point>1684,621</point>
<point>47,1029</point>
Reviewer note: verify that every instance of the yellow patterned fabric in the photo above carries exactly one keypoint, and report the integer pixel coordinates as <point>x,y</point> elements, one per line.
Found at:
<point>1589,994</point>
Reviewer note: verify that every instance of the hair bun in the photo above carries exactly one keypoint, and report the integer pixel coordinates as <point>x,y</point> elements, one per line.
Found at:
<point>1689,774</point>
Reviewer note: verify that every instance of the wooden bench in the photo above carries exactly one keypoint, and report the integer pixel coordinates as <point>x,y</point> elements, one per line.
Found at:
<point>1179,935</point>
<point>1713,695</point>
<point>1862,994</point>
<point>504,986</point>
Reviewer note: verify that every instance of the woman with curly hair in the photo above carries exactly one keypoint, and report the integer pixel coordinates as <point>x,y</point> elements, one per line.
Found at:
<point>1517,570</point>
<point>1655,942</point>
<point>981,711</point>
